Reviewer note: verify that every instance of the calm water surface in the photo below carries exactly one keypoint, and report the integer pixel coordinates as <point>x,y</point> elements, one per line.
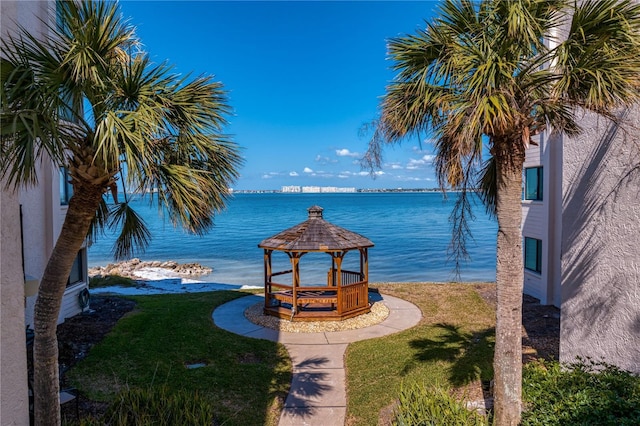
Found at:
<point>411,233</point>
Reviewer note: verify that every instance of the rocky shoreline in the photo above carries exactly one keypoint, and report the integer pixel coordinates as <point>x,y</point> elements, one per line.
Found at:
<point>128,268</point>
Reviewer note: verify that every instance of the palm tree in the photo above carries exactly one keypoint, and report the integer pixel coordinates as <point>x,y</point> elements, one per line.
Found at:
<point>86,98</point>
<point>482,79</point>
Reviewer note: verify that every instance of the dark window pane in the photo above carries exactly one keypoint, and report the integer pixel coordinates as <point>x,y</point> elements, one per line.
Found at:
<point>66,189</point>
<point>533,254</point>
<point>77,270</point>
<point>533,183</point>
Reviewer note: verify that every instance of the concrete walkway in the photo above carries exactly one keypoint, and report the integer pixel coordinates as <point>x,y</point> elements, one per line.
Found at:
<point>317,396</point>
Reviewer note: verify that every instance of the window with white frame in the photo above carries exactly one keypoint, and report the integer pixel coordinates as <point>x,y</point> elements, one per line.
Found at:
<point>533,254</point>
<point>66,189</point>
<point>533,183</point>
<point>77,274</point>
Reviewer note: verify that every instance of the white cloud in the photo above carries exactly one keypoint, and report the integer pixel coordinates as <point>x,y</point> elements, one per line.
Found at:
<point>293,174</point>
<point>425,147</point>
<point>269,175</point>
<point>420,163</point>
<point>308,170</point>
<point>414,179</point>
<point>344,152</point>
<point>324,160</point>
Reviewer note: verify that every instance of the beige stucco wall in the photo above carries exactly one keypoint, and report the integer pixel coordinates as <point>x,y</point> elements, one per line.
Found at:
<point>41,219</point>
<point>14,400</point>
<point>14,408</point>
<point>601,236</point>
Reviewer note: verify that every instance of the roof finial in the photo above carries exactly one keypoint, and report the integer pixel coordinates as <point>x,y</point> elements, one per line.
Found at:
<point>315,212</point>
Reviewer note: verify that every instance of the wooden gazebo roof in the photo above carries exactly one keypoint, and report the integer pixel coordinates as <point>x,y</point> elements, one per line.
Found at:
<point>315,234</point>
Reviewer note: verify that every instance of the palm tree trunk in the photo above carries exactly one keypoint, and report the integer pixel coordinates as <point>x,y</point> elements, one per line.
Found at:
<point>82,209</point>
<point>507,362</point>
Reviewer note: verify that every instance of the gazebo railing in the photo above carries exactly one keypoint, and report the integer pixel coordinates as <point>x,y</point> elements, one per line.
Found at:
<point>354,296</point>
<point>347,277</point>
<point>351,296</point>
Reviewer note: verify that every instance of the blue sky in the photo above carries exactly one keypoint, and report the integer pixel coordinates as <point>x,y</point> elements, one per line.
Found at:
<point>302,78</point>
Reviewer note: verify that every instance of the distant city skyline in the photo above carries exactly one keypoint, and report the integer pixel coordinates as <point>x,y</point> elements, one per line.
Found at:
<point>302,79</point>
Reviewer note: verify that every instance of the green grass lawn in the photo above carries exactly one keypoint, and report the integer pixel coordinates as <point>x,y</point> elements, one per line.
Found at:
<point>452,346</point>
<point>245,380</point>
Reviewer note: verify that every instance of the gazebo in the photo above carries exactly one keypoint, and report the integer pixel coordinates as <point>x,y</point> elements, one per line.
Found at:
<point>345,293</point>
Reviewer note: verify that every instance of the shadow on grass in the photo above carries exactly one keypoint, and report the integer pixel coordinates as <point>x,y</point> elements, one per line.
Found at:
<point>244,380</point>
<point>470,354</point>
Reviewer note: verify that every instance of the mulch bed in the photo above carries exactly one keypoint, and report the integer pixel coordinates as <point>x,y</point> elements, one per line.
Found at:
<point>76,336</point>
<point>540,326</point>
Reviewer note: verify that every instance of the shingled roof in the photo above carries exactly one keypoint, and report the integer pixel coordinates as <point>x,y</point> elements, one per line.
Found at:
<point>315,234</point>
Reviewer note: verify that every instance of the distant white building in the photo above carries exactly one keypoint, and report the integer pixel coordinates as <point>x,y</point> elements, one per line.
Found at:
<point>291,188</point>
<point>311,189</point>
<point>336,189</point>
<point>326,189</point>
<point>30,221</point>
<point>581,227</point>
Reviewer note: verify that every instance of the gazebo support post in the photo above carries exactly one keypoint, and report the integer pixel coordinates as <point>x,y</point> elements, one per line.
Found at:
<point>364,265</point>
<point>295,267</point>
<point>337,258</point>
<point>267,277</point>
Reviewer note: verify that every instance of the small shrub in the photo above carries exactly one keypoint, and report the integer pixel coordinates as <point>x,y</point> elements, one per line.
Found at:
<point>158,407</point>
<point>111,281</point>
<point>585,392</point>
<point>420,405</point>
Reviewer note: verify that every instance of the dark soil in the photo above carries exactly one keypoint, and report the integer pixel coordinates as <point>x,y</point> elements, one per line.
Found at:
<point>540,326</point>
<point>76,336</point>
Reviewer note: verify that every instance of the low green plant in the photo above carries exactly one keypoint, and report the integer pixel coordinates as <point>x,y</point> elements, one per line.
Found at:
<point>158,406</point>
<point>452,345</point>
<point>432,405</point>
<point>585,392</point>
<point>244,380</point>
<point>111,281</point>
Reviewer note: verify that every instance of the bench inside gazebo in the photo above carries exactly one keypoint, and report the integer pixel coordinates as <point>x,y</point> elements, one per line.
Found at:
<point>345,293</point>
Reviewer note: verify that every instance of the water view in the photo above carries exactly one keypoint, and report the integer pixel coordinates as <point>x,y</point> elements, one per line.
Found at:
<point>411,233</point>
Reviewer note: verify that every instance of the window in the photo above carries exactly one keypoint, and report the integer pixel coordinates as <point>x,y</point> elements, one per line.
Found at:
<point>533,254</point>
<point>533,183</point>
<point>66,189</point>
<point>77,270</point>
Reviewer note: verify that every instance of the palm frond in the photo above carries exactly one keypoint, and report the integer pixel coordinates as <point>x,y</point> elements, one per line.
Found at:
<point>372,158</point>
<point>99,224</point>
<point>94,36</point>
<point>86,96</point>
<point>168,133</point>
<point>134,234</point>
<point>29,125</point>
<point>488,186</point>
<point>598,63</point>
<point>460,217</point>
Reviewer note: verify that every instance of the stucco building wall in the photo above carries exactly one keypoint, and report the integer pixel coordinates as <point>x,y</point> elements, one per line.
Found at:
<point>600,240</point>
<point>14,400</point>
<point>27,239</point>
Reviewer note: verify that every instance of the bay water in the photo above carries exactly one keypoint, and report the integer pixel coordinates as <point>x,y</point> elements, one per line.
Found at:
<point>411,232</point>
